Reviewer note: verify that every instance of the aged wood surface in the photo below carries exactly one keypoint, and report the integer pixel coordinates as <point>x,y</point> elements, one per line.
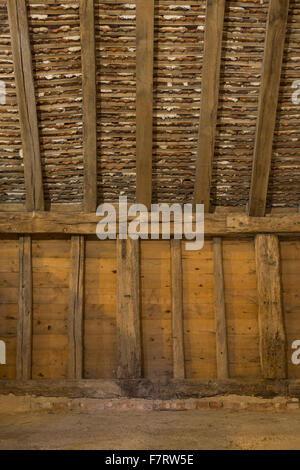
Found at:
<point>87,30</point>
<point>144,99</point>
<point>220,311</point>
<point>17,13</point>
<point>128,309</point>
<point>271,76</point>
<point>177,311</point>
<point>76,302</point>
<point>24,328</point>
<point>270,314</point>
<point>209,100</point>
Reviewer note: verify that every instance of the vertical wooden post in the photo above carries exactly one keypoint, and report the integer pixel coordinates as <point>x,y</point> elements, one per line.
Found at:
<point>144,99</point>
<point>177,310</point>
<point>220,311</point>
<point>128,309</point>
<point>24,328</point>
<point>76,300</point>
<point>270,314</point>
<point>20,42</point>
<point>268,101</point>
<point>209,100</point>
<point>89,106</point>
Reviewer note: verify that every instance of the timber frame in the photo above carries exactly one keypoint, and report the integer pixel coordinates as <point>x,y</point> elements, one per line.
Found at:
<point>79,222</point>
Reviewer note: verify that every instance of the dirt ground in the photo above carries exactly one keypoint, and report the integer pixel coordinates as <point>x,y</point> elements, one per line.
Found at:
<point>112,430</point>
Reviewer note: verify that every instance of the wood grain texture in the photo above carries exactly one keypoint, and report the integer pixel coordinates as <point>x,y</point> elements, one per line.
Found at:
<point>209,100</point>
<point>128,309</point>
<point>88,59</point>
<point>268,101</point>
<point>144,99</point>
<point>24,327</point>
<point>270,314</point>
<point>235,224</point>
<point>76,301</point>
<point>20,42</point>
<point>220,311</point>
<point>177,310</point>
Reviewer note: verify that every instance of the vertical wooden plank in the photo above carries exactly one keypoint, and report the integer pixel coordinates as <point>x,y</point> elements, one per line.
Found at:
<point>209,100</point>
<point>177,310</point>
<point>24,328</point>
<point>20,42</point>
<point>128,309</point>
<point>220,311</point>
<point>270,314</point>
<point>144,99</point>
<point>76,299</point>
<point>268,101</point>
<point>88,59</point>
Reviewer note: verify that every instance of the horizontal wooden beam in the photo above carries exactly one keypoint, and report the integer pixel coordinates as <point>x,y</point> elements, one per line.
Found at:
<point>227,224</point>
<point>150,389</point>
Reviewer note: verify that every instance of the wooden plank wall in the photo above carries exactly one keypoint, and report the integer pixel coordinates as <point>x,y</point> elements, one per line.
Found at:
<point>51,267</point>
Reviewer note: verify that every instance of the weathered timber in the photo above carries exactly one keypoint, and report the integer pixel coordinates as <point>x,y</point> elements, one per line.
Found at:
<point>177,310</point>
<point>85,224</point>
<point>128,309</point>
<point>24,328</point>
<point>209,100</point>
<point>20,42</point>
<point>87,30</point>
<point>220,312</point>
<point>270,314</point>
<point>76,301</point>
<point>143,388</point>
<point>268,102</point>
<point>144,99</point>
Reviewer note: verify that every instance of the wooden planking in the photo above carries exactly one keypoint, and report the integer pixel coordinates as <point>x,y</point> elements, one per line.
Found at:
<point>76,301</point>
<point>20,42</point>
<point>144,99</point>
<point>156,315</point>
<point>290,278</point>
<point>128,309</point>
<point>24,328</point>
<point>177,310</point>
<point>270,314</point>
<point>100,330</point>
<point>209,100</point>
<point>271,75</point>
<point>87,30</point>
<point>199,319</point>
<point>220,311</point>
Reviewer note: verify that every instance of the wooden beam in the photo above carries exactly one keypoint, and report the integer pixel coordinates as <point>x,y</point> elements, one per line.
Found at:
<point>268,101</point>
<point>177,310</point>
<point>76,305</point>
<point>24,328</point>
<point>128,309</point>
<point>147,389</point>
<point>209,100</point>
<point>89,106</point>
<point>20,42</point>
<point>225,224</point>
<point>270,314</point>
<point>220,311</point>
<point>144,99</point>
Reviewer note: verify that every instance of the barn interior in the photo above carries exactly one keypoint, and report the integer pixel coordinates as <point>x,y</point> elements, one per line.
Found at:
<point>163,102</point>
